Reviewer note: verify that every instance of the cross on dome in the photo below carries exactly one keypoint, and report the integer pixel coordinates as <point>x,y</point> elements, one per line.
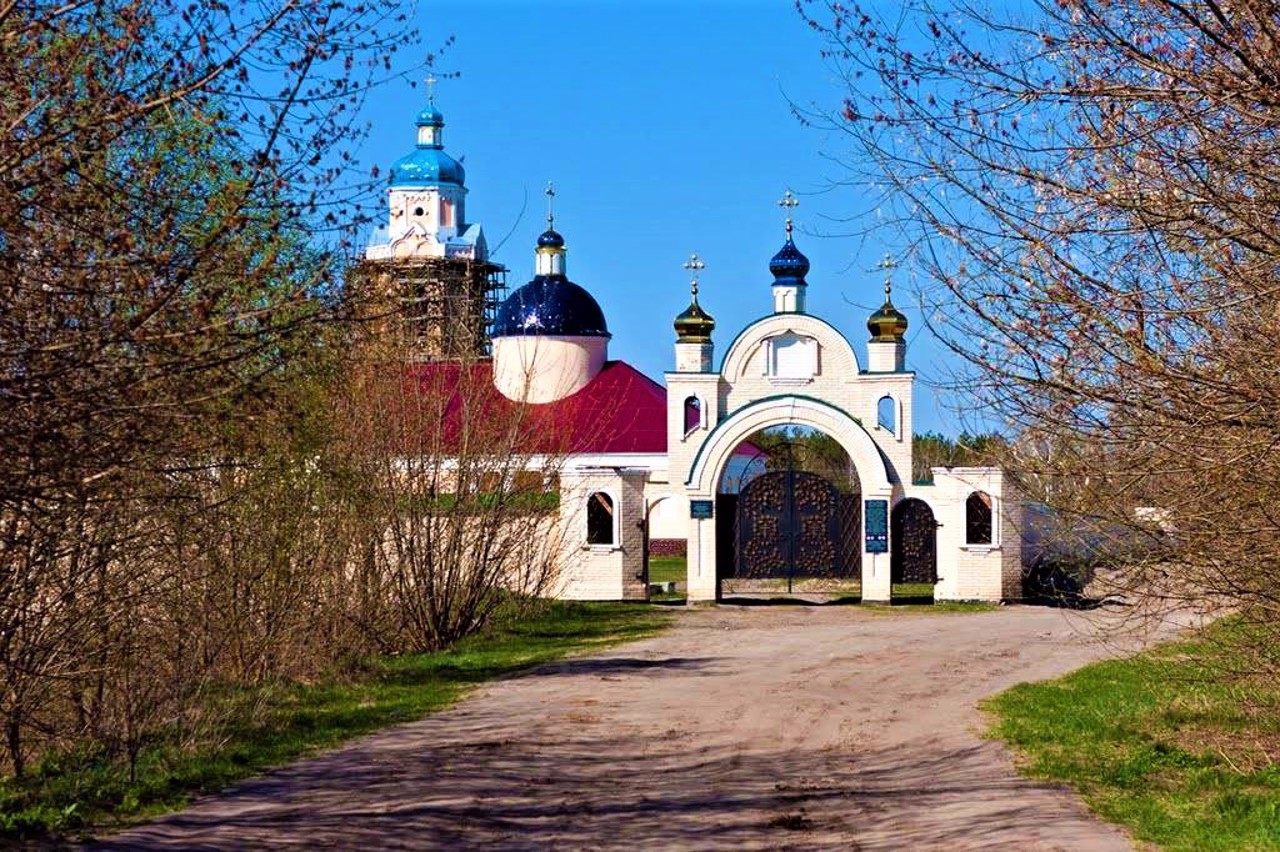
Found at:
<point>551,205</point>
<point>695,265</point>
<point>431,81</point>
<point>789,202</point>
<point>694,325</point>
<point>888,264</point>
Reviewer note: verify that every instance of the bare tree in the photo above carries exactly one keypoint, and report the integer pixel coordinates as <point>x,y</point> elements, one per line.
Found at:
<point>460,486</point>
<point>1089,193</point>
<point>172,198</point>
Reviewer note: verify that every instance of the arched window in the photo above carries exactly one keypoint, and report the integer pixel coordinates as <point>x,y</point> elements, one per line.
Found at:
<point>692,414</point>
<point>599,518</point>
<point>977,513</point>
<point>887,414</point>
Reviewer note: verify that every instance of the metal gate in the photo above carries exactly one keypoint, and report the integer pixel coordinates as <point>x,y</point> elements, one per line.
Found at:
<point>791,524</point>
<point>914,536</point>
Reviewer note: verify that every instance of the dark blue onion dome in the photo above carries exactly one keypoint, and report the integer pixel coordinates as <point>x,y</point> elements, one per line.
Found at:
<point>789,266</point>
<point>428,164</point>
<point>550,305</point>
<point>550,239</point>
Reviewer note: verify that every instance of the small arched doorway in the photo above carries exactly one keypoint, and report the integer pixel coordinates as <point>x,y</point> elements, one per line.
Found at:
<point>913,557</point>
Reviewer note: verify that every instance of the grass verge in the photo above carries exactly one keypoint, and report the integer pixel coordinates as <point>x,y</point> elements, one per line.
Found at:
<point>1162,742</point>
<point>270,726</point>
<point>666,569</point>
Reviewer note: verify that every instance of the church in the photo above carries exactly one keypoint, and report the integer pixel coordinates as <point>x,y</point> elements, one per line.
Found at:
<point>716,461</point>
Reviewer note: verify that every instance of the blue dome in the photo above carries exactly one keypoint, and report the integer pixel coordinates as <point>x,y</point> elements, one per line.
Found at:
<point>427,166</point>
<point>789,266</point>
<point>550,238</point>
<point>550,305</point>
<point>430,117</point>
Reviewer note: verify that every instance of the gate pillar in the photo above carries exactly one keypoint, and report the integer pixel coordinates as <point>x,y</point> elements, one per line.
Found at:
<point>877,585</point>
<point>701,581</point>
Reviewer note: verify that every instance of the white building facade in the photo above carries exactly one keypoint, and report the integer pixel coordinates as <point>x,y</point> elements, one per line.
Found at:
<point>676,464</point>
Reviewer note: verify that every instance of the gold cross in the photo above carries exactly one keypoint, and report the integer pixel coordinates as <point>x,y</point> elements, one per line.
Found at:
<point>431,88</point>
<point>695,265</point>
<point>790,202</point>
<point>551,205</point>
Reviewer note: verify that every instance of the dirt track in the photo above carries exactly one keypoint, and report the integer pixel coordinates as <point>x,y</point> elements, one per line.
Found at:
<point>741,728</point>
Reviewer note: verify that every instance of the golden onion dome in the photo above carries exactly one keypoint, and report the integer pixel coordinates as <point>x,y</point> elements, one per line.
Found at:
<point>887,325</point>
<point>694,325</point>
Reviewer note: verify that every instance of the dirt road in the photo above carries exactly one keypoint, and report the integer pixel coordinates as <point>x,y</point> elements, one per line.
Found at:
<point>741,728</point>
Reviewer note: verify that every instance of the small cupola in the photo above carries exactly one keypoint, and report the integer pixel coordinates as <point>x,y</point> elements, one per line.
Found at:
<point>789,267</point>
<point>549,254</point>
<point>693,324</point>
<point>428,165</point>
<point>888,324</point>
<point>887,351</point>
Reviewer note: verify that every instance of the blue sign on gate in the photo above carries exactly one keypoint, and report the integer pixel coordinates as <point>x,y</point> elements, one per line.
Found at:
<point>877,526</point>
<point>701,508</point>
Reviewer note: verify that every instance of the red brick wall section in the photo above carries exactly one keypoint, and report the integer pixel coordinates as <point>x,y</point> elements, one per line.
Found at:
<point>667,546</point>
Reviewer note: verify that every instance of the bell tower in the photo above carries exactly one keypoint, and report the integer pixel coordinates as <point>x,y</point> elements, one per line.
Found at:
<point>427,263</point>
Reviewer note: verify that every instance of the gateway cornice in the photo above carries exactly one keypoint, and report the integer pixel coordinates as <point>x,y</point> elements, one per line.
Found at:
<point>773,325</point>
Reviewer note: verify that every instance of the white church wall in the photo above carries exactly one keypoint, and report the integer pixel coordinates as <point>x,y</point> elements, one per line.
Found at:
<point>542,368</point>
<point>682,443</point>
<point>669,517</point>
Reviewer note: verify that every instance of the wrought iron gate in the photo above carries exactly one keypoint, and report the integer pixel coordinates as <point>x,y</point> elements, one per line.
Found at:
<point>792,523</point>
<point>914,536</point>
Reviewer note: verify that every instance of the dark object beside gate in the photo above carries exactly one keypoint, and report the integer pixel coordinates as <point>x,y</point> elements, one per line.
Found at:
<point>914,538</point>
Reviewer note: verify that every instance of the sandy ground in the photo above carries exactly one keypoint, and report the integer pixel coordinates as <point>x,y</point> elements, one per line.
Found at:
<point>759,727</point>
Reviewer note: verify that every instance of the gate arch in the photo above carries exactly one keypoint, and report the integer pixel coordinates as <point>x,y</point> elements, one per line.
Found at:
<point>713,455</point>
<point>790,410</point>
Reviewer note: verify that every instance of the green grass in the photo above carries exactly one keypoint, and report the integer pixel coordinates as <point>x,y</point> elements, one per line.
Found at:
<point>911,594</point>
<point>83,792</point>
<point>1187,759</point>
<point>665,569</point>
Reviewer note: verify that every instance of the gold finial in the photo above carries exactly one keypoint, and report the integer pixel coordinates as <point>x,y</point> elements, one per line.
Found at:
<point>431,88</point>
<point>551,205</point>
<point>790,202</point>
<point>888,264</point>
<point>695,265</point>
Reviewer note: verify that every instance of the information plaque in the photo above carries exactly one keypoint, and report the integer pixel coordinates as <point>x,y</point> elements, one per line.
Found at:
<point>877,526</point>
<point>701,508</point>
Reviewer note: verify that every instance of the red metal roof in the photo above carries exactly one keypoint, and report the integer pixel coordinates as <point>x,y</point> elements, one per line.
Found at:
<point>620,411</point>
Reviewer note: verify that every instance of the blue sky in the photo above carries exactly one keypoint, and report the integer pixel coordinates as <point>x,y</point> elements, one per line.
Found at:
<point>667,128</point>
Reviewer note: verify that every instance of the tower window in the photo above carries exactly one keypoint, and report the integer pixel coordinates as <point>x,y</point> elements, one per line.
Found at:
<point>599,518</point>
<point>887,414</point>
<point>692,414</point>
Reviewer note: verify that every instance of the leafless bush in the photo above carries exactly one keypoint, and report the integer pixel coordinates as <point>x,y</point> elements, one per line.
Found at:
<point>460,489</point>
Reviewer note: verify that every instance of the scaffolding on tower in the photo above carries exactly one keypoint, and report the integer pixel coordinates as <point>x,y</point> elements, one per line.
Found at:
<point>445,307</point>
